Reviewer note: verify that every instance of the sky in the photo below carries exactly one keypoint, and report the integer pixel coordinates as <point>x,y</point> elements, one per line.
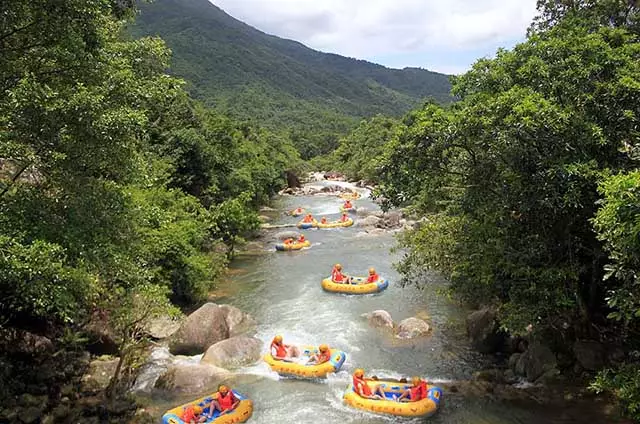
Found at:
<point>440,35</point>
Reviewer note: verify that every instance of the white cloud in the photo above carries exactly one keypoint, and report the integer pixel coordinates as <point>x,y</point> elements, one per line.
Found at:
<point>370,28</point>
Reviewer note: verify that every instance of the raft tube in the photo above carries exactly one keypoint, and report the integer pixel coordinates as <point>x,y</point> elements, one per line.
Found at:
<point>361,286</point>
<point>350,196</point>
<point>307,371</point>
<point>335,224</point>
<point>293,246</point>
<point>345,210</point>
<point>307,225</point>
<point>422,408</point>
<point>239,415</point>
<point>294,213</point>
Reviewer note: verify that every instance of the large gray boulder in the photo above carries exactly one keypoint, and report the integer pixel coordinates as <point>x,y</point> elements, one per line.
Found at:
<point>412,327</point>
<point>590,354</point>
<point>191,378</point>
<point>379,319</point>
<point>391,219</point>
<point>234,352</point>
<point>369,222</point>
<point>162,327</point>
<point>238,322</point>
<point>283,235</point>
<point>484,331</point>
<point>204,327</point>
<point>536,361</point>
<point>98,375</point>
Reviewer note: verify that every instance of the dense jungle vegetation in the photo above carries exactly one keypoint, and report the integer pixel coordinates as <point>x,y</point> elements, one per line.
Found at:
<point>529,185</point>
<point>120,196</point>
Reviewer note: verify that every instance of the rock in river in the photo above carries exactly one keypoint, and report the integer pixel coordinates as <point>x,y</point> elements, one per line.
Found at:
<point>412,327</point>
<point>234,352</point>
<point>379,318</point>
<point>204,327</point>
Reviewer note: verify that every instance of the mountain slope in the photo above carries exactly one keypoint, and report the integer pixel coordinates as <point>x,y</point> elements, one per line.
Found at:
<point>253,75</point>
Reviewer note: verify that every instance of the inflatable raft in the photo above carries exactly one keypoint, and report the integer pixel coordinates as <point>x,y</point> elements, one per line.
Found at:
<point>282,247</point>
<point>422,408</point>
<point>345,210</point>
<point>335,224</point>
<point>239,415</point>
<point>300,369</point>
<point>349,196</point>
<point>307,225</point>
<point>360,287</point>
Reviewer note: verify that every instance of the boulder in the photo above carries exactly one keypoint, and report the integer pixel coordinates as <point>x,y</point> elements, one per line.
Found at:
<point>590,354</point>
<point>266,209</point>
<point>102,339</point>
<point>264,218</point>
<point>283,235</point>
<point>204,327</point>
<point>513,360</point>
<point>493,375</point>
<point>19,342</point>
<point>362,211</point>
<point>536,361</point>
<point>292,180</point>
<point>392,219</point>
<point>191,378</point>
<point>162,327</point>
<point>379,318</point>
<point>412,327</point>
<point>484,331</point>
<point>370,222</point>
<point>98,375</point>
<point>238,322</point>
<point>234,352</point>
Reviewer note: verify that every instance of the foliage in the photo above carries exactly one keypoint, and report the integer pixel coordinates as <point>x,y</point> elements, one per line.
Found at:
<point>360,153</point>
<point>624,382</point>
<point>242,72</point>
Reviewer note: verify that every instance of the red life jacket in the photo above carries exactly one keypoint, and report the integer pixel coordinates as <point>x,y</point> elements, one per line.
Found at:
<point>360,386</point>
<point>281,351</point>
<point>336,276</point>
<point>373,278</point>
<point>419,392</point>
<point>324,357</point>
<point>226,402</point>
<point>301,239</point>
<point>188,414</point>
<point>344,218</point>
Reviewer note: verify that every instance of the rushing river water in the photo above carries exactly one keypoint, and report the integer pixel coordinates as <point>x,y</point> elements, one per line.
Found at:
<point>282,291</point>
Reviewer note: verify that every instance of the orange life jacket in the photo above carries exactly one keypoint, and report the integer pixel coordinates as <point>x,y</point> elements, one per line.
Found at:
<point>226,402</point>
<point>337,276</point>
<point>324,356</point>
<point>281,351</point>
<point>360,386</point>
<point>301,239</point>
<point>419,392</point>
<point>344,218</point>
<point>373,278</point>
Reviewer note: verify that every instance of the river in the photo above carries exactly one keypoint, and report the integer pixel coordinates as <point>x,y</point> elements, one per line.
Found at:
<point>282,291</point>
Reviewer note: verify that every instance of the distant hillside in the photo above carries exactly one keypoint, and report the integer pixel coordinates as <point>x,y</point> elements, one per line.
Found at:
<point>281,83</point>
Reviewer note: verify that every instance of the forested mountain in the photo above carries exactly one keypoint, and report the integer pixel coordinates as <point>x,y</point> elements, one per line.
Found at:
<point>281,83</point>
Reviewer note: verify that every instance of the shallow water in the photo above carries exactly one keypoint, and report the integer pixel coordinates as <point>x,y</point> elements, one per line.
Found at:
<point>282,291</point>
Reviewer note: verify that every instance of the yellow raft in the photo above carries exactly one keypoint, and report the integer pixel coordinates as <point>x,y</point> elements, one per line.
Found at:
<point>239,415</point>
<point>350,196</point>
<point>307,371</point>
<point>422,408</point>
<point>283,247</point>
<point>294,213</point>
<point>335,224</point>
<point>360,287</point>
<point>345,210</point>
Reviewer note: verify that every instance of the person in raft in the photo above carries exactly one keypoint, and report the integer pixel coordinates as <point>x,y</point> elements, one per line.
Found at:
<point>301,239</point>
<point>192,415</point>
<point>324,355</point>
<point>288,241</point>
<point>344,217</point>
<point>361,387</point>
<point>338,277</point>
<point>323,220</point>
<point>223,401</point>
<point>297,211</point>
<point>281,351</point>
<point>373,277</point>
<point>308,218</point>
<point>347,204</point>
<point>415,393</point>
